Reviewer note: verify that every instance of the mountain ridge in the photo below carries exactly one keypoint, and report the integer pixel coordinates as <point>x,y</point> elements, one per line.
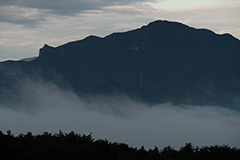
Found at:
<point>160,62</point>
<point>148,25</point>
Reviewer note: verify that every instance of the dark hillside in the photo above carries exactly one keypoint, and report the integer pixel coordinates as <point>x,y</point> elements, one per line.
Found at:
<point>161,62</point>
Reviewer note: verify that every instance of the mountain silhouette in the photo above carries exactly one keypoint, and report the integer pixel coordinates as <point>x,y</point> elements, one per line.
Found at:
<point>161,62</point>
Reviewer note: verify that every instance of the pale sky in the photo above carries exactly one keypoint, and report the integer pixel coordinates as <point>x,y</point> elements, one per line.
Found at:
<point>26,25</point>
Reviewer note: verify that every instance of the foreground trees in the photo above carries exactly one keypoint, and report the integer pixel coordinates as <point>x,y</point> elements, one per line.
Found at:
<point>73,146</point>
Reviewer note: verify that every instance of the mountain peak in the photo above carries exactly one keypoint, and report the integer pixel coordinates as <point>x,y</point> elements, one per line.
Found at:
<point>92,37</point>
<point>44,49</point>
<point>46,46</point>
<point>165,23</point>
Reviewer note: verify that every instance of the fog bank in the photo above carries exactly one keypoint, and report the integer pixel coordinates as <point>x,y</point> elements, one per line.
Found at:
<point>45,107</point>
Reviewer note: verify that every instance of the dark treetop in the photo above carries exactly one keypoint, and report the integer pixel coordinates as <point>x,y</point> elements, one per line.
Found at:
<point>73,146</point>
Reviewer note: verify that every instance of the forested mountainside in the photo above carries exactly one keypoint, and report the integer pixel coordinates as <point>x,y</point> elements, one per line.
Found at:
<point>157,63</point>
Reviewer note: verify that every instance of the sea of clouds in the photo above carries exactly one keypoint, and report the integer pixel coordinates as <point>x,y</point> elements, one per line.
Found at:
<point>117,118</point>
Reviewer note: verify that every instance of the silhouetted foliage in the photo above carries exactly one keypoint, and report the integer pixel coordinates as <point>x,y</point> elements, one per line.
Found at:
<point>73,146</point>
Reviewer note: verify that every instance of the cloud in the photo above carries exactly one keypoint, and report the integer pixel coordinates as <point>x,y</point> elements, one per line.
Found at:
<point>131,10</point>
<point>68,7</point>
<point>46,107</point>
<point>8,43</point>
<point>32,12</point>
<point>20,15</point>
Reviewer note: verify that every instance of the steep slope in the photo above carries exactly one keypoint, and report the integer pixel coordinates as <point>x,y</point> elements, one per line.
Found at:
<point>161,62</point>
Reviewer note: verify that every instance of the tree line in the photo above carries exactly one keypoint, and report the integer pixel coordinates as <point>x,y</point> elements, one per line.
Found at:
<point>74,146</point>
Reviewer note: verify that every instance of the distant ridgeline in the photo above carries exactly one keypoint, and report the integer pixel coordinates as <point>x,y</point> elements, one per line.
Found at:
<point>75,146</point>
<point>161,62</point>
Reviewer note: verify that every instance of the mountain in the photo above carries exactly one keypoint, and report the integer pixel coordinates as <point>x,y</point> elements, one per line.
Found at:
<point>161,62</point>
<point>28,59</point>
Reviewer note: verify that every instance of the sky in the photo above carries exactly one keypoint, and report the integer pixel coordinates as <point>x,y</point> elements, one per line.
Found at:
<point>26,25</point>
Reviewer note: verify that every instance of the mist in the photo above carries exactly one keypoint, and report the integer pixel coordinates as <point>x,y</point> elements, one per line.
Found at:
<point>117,118</point>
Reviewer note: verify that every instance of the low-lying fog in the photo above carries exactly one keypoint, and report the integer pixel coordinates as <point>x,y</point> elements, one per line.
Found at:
<point>119,119</point>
